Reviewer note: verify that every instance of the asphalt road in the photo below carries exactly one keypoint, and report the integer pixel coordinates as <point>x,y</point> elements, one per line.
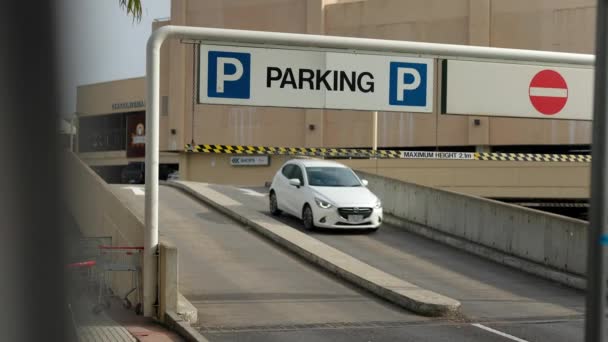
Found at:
<point>502,298</point>
<point>248,289</point>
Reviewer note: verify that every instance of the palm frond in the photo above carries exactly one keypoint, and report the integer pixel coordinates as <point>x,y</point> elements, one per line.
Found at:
<point>133,8</point>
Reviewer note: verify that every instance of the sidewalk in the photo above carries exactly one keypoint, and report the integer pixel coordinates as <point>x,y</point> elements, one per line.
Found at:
<point>118,325</point>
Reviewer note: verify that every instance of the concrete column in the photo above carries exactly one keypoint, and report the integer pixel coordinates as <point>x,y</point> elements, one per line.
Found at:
<point>480,26</point>
<point>483,149</point>
<point>176,78</point>
<point>315,19</point>
<point>315,118</point>
<point>184,158</point>
<point>168,279</point>
<point>479,22</point>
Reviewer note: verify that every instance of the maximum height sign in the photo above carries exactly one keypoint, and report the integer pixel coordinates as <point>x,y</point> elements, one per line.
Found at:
<point>314,79</point>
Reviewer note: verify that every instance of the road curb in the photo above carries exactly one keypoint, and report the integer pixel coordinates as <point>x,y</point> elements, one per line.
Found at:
<point>182,327</point>
<point>382,284</point>
<point>491,254</point>
<point>186,310</point>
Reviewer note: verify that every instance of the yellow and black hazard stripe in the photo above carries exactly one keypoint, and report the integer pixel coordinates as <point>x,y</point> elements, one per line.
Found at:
<point>301,151</point>
<point>576,158</point>
<point>363,153</point>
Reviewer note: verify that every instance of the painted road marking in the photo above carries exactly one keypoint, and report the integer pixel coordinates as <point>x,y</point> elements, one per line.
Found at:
<point>251,192</point>
<point>136,191</point>
<point>500,333</point>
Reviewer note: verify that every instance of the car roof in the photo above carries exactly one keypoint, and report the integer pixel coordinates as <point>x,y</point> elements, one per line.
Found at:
<point>318,163</point>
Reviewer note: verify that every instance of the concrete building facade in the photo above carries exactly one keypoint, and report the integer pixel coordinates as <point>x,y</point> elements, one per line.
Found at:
<point>556,25</point>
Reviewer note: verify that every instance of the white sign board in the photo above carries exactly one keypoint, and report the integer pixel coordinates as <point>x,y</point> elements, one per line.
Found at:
<point>314,79</point>
<point>517,90</point>
<point>250,161</point>
<point>437,155</point>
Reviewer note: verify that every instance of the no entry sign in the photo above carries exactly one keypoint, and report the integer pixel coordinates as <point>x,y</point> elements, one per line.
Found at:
<point>517,90</point>
<point>548,92</point>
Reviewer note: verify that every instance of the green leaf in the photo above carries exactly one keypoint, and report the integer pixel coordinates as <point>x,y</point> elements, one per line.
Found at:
<point>133,8</point>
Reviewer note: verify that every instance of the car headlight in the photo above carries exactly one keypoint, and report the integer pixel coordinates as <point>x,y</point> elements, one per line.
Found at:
<point>378,204</point>
<point>323,204</point>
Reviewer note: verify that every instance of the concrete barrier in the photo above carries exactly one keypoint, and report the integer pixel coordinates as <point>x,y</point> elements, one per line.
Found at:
<point>554,241</point>
<point>168,279</point>
<point>100,213</point>
<point>169,298</point>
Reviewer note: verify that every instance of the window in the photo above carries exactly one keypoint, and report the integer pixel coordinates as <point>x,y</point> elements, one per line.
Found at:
<point>297,174</point>
<point>331,176</point>
<point>287,171</point>
<point>102,133</point>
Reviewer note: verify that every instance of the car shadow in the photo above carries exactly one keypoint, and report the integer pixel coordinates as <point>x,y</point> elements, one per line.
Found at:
<point>296,223</point>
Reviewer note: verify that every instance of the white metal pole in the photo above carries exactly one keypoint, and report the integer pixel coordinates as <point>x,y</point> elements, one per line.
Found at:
<point>350,45</point>
<point>152,156</point>
<point>375,131</point>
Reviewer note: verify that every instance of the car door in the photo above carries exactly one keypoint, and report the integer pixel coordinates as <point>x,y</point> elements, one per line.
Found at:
<point>282,187</point>
<point>296,195</point>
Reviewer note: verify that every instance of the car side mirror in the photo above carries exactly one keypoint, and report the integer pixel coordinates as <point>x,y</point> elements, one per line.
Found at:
<point>295,182</point>
<point>364,182</point>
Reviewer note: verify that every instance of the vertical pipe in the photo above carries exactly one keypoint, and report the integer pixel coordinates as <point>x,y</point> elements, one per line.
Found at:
<point>596,278</point>
<point>152,156</point>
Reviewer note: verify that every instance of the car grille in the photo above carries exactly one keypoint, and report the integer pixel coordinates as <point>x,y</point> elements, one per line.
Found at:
<point>365,223</point>
<point>344,212</point>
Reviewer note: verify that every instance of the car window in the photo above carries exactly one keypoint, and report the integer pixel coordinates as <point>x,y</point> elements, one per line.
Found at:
<point>297,174</point>
<point>331,176</point>
<point>287,171</point>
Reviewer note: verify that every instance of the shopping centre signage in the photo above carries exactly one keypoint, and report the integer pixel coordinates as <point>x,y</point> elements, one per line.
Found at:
<point>517,90</point>
<point>314,79</point>
<point>250,161</point>
<point>128,105</point>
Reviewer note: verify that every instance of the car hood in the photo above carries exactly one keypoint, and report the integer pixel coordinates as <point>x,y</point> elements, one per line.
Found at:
<point>358,196</point>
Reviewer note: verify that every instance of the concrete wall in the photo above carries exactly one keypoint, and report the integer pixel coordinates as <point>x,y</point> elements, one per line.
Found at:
<point>555,25</point>
<point>97,99</point>
<point>555,241</point>
<point>495,179</point>
<point>558,25</point>
<point>99,213</point>
<point>216,168</point>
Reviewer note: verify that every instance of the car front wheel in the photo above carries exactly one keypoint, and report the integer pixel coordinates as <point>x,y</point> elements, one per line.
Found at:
<point>274,205</point>
<point>307,217</point>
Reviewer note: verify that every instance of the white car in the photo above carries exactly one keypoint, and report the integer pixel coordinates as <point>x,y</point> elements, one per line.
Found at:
<point>324,194</point>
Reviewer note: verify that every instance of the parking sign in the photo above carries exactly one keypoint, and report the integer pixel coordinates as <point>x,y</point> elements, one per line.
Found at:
<point>314,79</point>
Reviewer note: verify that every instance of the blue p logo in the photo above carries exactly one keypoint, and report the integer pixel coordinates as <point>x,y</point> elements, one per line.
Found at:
<point>407,84</point>
<point>229,75</point>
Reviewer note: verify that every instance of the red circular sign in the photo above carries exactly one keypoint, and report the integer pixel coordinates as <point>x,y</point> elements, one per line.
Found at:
<point>548,92</point>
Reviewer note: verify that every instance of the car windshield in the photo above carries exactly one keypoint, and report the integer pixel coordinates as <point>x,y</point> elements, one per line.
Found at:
<point>331,176</point>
